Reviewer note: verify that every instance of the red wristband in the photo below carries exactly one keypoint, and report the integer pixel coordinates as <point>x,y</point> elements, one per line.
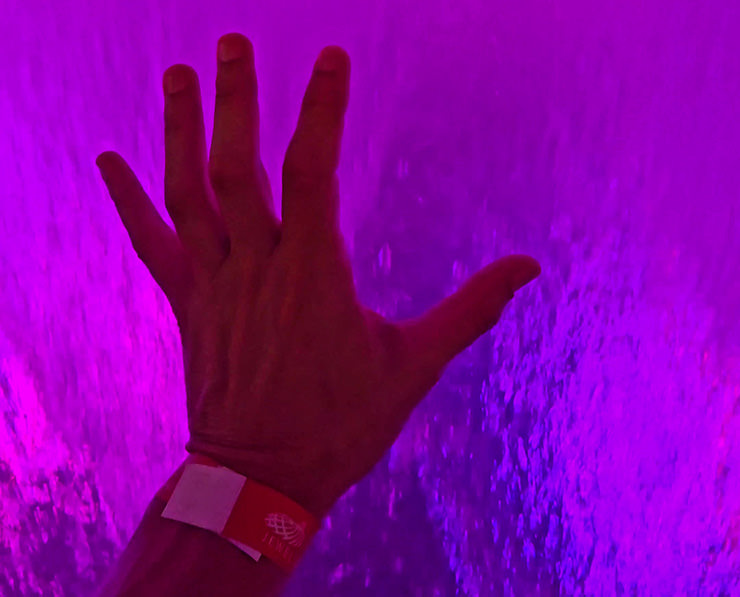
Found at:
<point>261,518</point>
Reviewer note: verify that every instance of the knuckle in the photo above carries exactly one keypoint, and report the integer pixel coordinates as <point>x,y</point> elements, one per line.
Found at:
<point>173,122</point>
<point>176,197</point>
<point>295,168</point>
<point>325,94</point>
<point>178,187</point>
<point>222,174</point>
<point>235,86</point>
<point>226,175</point>
<point>300,180</point>
<point>303,169</point>
<point>318,101</point>
<point>126,188</point>
<point>175,207</point>
<point>323,112</point>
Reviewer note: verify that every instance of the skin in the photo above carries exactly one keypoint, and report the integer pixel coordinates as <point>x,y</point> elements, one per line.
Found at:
<point>290,380</point>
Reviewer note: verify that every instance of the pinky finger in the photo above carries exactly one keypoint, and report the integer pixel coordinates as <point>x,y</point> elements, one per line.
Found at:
<point>156,244</point>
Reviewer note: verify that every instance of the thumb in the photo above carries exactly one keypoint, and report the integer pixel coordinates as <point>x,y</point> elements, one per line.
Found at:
<point>451,326</point>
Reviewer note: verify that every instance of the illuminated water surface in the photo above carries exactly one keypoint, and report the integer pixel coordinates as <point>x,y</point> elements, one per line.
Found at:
<point>589,445</point>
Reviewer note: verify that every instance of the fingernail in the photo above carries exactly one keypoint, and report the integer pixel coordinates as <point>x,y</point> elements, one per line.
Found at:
<point>229,49</point>
<point>330,60</point>
<point>175,81</point>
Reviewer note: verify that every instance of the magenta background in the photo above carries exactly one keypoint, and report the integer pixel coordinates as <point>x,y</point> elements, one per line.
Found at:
<point>589,445</point>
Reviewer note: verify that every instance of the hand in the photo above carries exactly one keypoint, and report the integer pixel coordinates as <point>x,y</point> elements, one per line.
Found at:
<point>289,379</point>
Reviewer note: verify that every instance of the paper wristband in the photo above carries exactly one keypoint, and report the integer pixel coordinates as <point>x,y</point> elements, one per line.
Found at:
<point>255,518</point>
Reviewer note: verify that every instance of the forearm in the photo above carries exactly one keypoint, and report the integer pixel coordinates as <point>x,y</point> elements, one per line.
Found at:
<point>169,558</point>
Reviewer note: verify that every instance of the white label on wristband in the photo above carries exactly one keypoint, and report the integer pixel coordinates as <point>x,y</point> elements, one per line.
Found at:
<point>246,549</point>
<point>204,496</point>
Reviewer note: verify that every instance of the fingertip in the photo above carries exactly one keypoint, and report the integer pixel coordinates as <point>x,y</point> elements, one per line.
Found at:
<point>104,158</point>
<point>107,163</point>
<point>527,271</point>
<point>178,77</point>
<point>522,261</point>
<point>232,46</point>
<point>536,267</point>
<point>333,59</point>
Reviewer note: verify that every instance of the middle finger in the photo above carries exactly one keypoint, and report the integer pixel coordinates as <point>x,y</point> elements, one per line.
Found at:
<point>235,167</point>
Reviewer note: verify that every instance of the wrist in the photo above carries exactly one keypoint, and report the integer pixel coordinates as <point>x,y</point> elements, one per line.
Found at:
<point>305,488</point>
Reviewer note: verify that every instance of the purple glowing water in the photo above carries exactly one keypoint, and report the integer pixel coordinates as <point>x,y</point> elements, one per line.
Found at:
<point>588,445</point>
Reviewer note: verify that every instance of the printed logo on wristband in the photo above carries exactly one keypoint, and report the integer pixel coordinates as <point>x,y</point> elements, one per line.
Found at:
<point>286,528</point>
<point>271,523</point>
